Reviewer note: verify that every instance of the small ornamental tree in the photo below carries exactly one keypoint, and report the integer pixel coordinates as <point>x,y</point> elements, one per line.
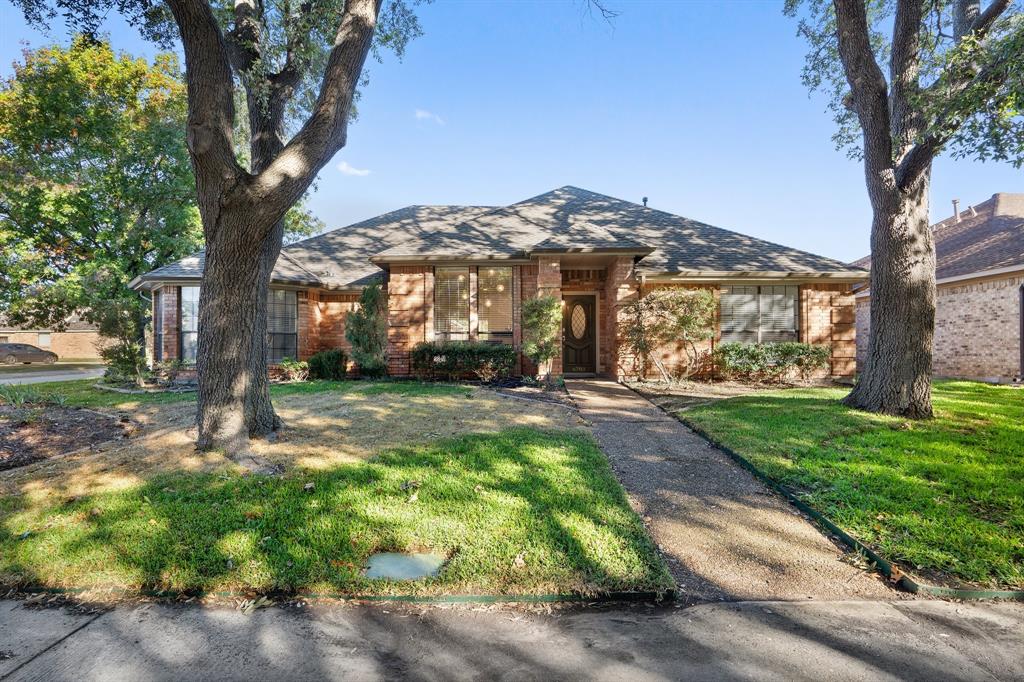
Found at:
<point>542,330</point>
<point>366,329</point>
<point>666,316</point>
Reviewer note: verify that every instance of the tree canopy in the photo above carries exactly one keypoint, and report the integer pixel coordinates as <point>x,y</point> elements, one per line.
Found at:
<point>95,182</point>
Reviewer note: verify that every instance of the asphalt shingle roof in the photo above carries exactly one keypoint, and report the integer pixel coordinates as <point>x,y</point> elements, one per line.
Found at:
<point>566,219</point>
<point>989,236</point>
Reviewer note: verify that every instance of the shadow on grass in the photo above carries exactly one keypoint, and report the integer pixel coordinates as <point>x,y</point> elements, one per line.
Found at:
<point>521,510</point>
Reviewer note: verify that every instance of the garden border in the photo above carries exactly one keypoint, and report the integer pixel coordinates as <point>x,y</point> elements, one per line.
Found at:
<point>880,564</point>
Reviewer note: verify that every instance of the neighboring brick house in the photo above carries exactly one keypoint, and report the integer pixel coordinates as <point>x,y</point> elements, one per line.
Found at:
<point>462,272</point>
<point>979,315</point>
<point>76,340</point>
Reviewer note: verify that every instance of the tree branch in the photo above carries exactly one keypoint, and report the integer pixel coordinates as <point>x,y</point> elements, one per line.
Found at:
<point>211,109</point>
<point>984,21</point>
<point>904,72</point>
<point>289,175</point>
<point>867,83</point>
<point>243,40</point>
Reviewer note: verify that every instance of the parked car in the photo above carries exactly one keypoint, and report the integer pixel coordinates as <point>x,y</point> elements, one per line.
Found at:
<point>13,353</point>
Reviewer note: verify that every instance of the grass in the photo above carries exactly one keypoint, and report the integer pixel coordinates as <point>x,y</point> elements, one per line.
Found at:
<point>548,498</point>
<point>516,495</point>
<point>943,498</point>
<point>81,392</point>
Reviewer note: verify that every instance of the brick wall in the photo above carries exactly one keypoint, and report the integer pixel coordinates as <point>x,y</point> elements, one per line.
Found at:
<point>977,329</point>
<point>549,283</point>
<point>408,288</point>
<point>71,345</point>
<point>828,317</point>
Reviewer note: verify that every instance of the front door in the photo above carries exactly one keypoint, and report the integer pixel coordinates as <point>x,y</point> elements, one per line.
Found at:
<point>579,334</point>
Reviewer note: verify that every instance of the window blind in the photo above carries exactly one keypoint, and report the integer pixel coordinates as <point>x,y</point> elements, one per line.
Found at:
<point>282,322</point>
<point>495,303</point>
<point>188,340</point>
<point>751,314</point>
<point>451,303</point>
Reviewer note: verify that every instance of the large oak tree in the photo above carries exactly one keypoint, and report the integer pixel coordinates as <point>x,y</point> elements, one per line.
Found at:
<point>298,63</point>
<point>953,80</point>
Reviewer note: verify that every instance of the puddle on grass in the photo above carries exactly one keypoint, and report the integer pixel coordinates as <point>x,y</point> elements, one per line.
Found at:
<point>398,566</point>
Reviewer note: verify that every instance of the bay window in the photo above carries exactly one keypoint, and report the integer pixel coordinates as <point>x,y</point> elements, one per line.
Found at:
<point>759,314</point>
<point>188,314</point>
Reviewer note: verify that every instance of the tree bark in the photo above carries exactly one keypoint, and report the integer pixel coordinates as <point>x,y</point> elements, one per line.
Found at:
<point>896,378</point>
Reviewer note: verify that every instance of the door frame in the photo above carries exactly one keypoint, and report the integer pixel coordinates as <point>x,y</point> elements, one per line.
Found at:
<point>597,331</point>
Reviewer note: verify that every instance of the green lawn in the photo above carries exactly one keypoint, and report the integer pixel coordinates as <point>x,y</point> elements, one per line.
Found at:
<point>522,510</point>
<point>943,498</point>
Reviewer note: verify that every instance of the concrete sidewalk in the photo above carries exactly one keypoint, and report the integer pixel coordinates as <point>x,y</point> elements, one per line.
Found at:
<point>923,640</point>
<point>724,534</point>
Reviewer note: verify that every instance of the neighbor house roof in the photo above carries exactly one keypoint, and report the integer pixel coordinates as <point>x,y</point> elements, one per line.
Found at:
<point>988,236</point>
<point>565,220</point>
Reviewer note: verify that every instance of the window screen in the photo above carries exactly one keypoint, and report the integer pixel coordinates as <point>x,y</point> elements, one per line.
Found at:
<point>451,303</point>
<point>751,314</point>
<point>189,316</point>
<point>282,317</point>
<point>495,303</point>
<point>43,340</point>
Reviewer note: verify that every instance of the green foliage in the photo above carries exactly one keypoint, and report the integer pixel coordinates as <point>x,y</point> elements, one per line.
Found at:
<point>458,359</point>
<point>119,322</point>
<point>770,361</point>
<point>95,181</point>
<point>294,370</point>
<point>542,329</point>
<point>968,91</point>
<point>670,315</point>
<point>943,495</point>
<point>14,395</point>
<point>328,365</point>
<point>366,329</point>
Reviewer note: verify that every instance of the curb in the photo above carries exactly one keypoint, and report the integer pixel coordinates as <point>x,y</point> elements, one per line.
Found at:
<point>608,597</point>
<point>903,581</point>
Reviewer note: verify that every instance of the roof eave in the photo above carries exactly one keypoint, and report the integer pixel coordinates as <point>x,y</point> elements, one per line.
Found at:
<point>448,258</point>
<point>602,250</point>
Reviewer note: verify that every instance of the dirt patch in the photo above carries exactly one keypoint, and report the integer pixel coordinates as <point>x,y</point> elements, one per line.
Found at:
<point>557,395</point>
<point>29,434</point>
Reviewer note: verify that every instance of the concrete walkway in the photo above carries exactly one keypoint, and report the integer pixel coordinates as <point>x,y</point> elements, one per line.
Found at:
<point>922,640</point>
<point>724,534</point>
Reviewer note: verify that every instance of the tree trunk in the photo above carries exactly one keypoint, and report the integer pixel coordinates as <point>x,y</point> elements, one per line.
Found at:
<point>234,393</point>
<point>896,378</point>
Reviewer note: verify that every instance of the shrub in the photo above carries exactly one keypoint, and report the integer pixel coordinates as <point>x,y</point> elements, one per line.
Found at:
<point>125,362</point>
<point>166,372</point>
<point>457,359</point>
<point>770,361</point>
<point>366,329</point>
<point>542,329</point>
<point>330,365</point>
<point>294,370</point>
<point>667,316</point>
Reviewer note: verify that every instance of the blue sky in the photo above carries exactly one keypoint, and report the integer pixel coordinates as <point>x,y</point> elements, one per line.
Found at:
<point>697,105</point>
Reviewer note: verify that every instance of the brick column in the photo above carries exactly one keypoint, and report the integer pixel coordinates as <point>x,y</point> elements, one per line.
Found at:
<point>407,314</point>
<point>172,325</point>
<point>620,286</point>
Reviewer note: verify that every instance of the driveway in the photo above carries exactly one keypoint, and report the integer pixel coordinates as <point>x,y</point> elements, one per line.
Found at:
<point>38,373</point>
<point>724,535</point>
<point>922,640</point>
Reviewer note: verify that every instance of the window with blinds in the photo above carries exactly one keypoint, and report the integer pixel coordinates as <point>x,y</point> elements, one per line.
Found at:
<point>494,299</point>
<point>751,314</point>
<point>188,314</point>
<point>158,326</point>
<point>282,323</point>
<point>451,303</point>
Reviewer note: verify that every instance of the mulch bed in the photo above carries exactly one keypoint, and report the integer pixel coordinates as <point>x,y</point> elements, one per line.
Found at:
<point>30,434</point>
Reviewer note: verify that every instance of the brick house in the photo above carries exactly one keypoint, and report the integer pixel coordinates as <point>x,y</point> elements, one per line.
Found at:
<point>462,272</point>
<point>979,316</point>
<point>75,340</point>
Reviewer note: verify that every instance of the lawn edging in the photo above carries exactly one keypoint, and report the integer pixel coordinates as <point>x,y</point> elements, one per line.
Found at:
<point>902,580</point>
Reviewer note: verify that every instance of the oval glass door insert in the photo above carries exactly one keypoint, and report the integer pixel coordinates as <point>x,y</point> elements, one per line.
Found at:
<point>578,321</point>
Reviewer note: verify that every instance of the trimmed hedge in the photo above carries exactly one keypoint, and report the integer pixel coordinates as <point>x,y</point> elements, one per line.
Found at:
<point>769,361</point>
<point>328,364</point>
<point>458,359</point>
